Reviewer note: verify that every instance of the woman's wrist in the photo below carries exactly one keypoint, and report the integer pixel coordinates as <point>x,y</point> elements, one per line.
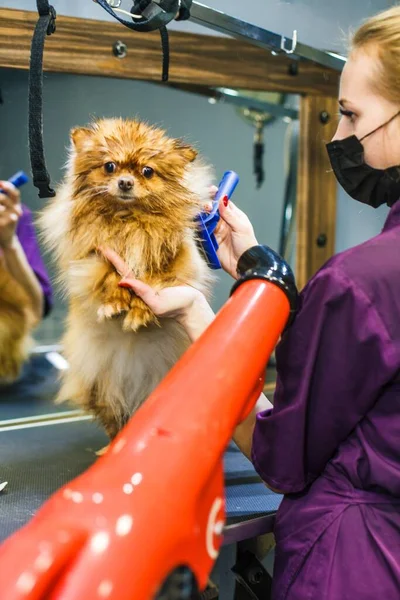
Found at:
<point>197,317</point>
<point>243,435</point>
<point>10,244</point>
<point>250,243</point>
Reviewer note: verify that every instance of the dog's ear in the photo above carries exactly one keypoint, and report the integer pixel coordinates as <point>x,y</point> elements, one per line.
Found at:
<point>185,150</point>
<point>81,138</point>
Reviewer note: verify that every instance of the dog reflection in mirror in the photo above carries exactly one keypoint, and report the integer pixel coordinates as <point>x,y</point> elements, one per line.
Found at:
<point>16,322</point>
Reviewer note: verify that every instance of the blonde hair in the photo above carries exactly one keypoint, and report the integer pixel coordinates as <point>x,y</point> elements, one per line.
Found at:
<point>380,35</point>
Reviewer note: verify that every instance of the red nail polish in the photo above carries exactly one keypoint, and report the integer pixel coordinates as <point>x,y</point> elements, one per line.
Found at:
<point>225,200</point>
<point>124,284</point>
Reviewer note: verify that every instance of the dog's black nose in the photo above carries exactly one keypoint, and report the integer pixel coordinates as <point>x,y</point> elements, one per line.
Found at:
<point>125,184</point>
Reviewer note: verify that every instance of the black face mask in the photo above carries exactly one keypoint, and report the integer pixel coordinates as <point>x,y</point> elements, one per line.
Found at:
<point>362,182</point>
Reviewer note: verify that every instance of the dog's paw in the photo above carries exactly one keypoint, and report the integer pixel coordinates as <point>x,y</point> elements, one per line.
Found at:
<point>139,315</point>
<point>108,311</point>
<point>102,451</point>
<point>115,304</point>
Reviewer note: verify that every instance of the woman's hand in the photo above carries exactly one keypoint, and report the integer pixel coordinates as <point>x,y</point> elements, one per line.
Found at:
<point>183,303</point>
<point>10,213</point>
<point>234,234</point>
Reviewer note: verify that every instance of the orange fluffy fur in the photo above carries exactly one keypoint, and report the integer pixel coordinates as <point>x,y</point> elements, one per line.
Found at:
<point>16,322</point>
<point>118,351</point>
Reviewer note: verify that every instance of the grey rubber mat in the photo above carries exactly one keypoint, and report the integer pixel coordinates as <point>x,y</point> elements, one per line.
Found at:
<point>34,393</point>
<point>246,496</point>
<point>37,461</point>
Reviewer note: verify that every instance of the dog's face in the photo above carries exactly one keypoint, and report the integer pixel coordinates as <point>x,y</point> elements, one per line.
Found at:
<point>118,163</point>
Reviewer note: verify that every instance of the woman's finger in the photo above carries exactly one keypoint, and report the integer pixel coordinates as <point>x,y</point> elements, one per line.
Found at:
<point>141,289</point>
<point>221,231</point>
<point>207,207</point>
<point>7,203</point>
<point>8,217</point>
<point>11,191</point>
<point>213,190</point>
<point>11,213</point>
<point>115,259</point>
<point>232,215</point>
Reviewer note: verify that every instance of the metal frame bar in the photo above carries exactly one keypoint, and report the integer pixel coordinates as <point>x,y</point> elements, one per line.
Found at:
<point>234,97</point>
<point>249,529</point>
<point>278,44</point>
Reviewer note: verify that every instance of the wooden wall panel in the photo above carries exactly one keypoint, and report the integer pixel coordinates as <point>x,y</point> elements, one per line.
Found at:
<point>84,46</point>
<point>317,188</point>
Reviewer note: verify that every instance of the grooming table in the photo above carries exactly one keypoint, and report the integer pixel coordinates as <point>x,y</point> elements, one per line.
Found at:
<point>38,458</point>
<point>34,394</point>
<point>42,447</point>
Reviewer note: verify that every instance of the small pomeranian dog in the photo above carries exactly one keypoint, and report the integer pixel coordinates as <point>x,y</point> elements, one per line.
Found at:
<point>16,322</point>
<point>131,188</point>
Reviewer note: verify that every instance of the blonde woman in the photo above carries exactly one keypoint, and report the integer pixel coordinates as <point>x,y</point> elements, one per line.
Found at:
<point>331,442</point>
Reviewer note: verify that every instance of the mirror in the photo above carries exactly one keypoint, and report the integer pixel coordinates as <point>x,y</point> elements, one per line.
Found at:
<point>221,129</point>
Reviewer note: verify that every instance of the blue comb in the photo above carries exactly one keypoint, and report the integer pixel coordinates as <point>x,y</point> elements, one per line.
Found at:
<point>208,221</point>
<point>18,179</point>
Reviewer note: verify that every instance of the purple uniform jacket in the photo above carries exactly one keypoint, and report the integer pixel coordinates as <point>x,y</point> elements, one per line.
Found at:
<point>27,238</point>
<point>331,443</point>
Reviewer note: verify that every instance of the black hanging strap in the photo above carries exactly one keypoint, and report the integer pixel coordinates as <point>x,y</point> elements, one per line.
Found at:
<point>154,16</point>
<point>259,153</point>
<point>165,53</point>
<point>46,25</point>
<point>152,13</point>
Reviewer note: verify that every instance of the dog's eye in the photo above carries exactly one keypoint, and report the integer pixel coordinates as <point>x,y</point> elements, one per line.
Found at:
<point>110,167</point>
<point>148,172</point>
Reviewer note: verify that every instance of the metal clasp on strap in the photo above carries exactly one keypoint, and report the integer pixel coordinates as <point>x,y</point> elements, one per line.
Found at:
<point>52,21</point>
